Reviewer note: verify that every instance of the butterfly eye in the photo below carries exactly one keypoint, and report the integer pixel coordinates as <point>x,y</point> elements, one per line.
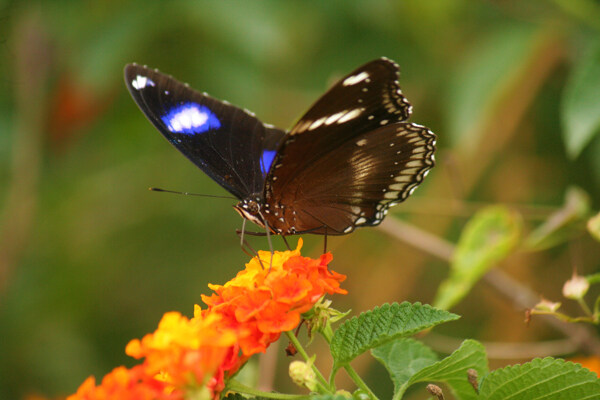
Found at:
<point>253,207</point>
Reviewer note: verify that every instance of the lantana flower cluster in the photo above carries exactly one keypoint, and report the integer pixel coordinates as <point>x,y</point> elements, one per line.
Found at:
<point>193,358</point>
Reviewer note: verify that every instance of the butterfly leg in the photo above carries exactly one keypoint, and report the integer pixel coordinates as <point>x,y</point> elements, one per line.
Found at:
<point>268,240</point>
<point>286,242</point>
<point>325,241</point>
<point>246,247</point>
<point>242,233</point>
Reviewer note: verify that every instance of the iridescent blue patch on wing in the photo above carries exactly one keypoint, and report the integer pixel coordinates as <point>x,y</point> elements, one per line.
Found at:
<point>190,119</point>
<point>266,159</point>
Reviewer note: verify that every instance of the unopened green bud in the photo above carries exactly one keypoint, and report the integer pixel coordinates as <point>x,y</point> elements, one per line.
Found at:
<point>303,375</point>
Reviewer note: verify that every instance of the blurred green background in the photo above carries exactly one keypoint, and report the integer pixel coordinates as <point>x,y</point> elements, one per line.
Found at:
<point>90,259</point>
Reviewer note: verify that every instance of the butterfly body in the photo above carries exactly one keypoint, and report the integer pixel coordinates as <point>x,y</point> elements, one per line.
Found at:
<point>341,166</point>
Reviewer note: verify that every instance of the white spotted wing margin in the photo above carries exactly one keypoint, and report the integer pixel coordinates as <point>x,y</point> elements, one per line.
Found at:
<point>228,143</point>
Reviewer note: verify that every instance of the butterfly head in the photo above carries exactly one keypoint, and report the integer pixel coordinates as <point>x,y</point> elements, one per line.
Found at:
<point>250,209</point>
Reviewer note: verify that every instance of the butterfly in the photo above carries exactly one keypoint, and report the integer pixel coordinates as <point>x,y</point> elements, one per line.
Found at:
<point>341,166</point>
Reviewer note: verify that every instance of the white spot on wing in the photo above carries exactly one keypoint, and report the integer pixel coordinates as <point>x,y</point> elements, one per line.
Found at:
<point>141,82</point>
<point>403,178</point>
<point>361,142</point>
<point>397,186</point>
<point>331,119</point>
<point>317,123</point>
<point>354,79</point>
<point>350,115</point>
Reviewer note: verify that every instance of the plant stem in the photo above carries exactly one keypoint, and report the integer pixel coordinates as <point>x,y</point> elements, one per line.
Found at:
<point>304,355</point>
<point>236,386</point>
<point>359,382</point>
<point>585,307</point>
<point>327,333</point>
<point>596,309</point>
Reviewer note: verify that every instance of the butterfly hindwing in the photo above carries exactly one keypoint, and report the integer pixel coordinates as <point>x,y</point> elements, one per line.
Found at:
<point>229,144</point>
<point>356,184</point>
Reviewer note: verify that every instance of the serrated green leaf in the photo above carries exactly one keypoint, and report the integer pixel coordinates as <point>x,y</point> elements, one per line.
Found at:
<point>452,371</point>
<point>484,77</point>
<point>488,238</point>
<point>580,111</point>
<point>562,224</point>
<point>541,379</point>
<point>403,358</point>
<point>593,226</point>
<point>381,325</point>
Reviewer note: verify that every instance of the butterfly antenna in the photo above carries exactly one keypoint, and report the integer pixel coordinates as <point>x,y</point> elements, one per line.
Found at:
<point>153,189</point>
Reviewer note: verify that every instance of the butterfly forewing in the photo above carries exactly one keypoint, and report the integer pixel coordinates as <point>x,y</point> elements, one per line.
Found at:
<point>229,144</point>
<point>364,100</point>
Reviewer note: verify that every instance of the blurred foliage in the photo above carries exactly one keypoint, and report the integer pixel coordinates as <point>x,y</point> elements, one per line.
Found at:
<point>488,238</point>
<point>90,259</point>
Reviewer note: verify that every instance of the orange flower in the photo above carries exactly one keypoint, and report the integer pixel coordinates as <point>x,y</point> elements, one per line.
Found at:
<point>592,363</point>
<point>260,303</point>
<point>188,352</point>
<point>193,358</point>
<point>125,384</point>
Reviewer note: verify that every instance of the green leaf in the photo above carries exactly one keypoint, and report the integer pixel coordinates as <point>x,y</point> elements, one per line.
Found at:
<point>580,111</point>
<point>452,370</point>
<point>381,325</point>
<point>593,226</point>
<point>562,224</point>
<point>593,279</point>
<point>332,397</point>
<point>484,78</point>
<point>488,238</point>
<point>403,358</point>
<point>540,379</point>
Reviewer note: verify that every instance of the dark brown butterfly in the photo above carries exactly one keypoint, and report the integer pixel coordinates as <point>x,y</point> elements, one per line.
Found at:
<point>342,165</point>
